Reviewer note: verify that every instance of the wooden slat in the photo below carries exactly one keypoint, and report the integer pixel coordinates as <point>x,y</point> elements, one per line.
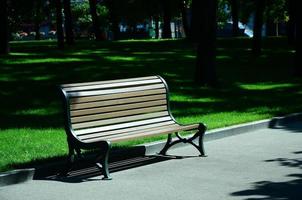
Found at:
<point>113,85</point>
<point>119,120</point>
<point>117,108</point>
<point>144,133</point>
<point>105,82</point>
<point>115,91</point>
<point>142,130</point>
<point>123,125</point>
<point>117,102</point>
<point>117,114</point>
<point>116,96</point>
<point>125,130</point>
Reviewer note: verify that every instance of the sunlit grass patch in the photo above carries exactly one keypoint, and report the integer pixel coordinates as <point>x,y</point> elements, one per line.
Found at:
<point>37,112</point>
<point>120,58</point>
<point>24,145</point>
<point>181,98</point>
<point>266,86</point>
<point>45,60</point>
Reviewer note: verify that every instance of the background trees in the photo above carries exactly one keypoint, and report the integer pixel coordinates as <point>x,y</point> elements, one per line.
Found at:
<point>124,19</point>
<point>4,47</point>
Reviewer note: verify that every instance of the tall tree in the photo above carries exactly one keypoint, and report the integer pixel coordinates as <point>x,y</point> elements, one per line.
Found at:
<point>206,52</point>
<point>156,21</point>
<point>258,22</point>
<point>184,17</point>
<point>4,38</point>
<point>291,25</point>
<point>275,14</point>
<point>114,18</point>
<point>298,38</point>
<point>95,20</point>
<point>68,22</point>
<point>59,22</point>
<point>196,21</point>
<point>235,16</point>
<point>37,18</point>
<point>167,18</point>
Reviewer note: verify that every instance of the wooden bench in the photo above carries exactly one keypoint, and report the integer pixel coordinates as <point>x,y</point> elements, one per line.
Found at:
<point>98,113</point>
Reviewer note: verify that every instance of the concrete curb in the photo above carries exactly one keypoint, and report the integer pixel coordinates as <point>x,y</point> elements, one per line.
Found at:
<point>23,175</point>
<point>16,176</point>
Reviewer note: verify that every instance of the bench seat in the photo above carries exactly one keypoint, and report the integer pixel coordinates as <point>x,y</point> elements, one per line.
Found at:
<point>103,112</point>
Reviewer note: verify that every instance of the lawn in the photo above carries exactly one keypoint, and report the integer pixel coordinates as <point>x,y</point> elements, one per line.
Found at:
<point>31,127</point>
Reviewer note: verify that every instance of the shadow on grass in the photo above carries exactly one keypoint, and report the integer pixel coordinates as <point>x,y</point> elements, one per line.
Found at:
<point>30,76</point>
<point>257,86</point>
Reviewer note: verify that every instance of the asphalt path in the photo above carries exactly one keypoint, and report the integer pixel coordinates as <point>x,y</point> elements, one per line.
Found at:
<point>262,164</point>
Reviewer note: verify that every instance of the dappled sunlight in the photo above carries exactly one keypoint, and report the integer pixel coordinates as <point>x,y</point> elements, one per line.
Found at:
<point>120,58</point>
<point>42,78</point>
<point>37,112</point>
<point>142,53</point>
<point>172,59</point>
<point>182,98</point>
<point>45,60</point>
<point>266,86</point>
<point>190,56</point>
<point>86,51</point>
<point>249,88</point>
<point>223,57</point>
<point>24,54</point>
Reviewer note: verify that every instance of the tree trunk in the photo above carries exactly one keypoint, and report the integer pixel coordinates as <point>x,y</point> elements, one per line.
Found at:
<point>196,21</point>
<point>59,21</point>
<point>184,18</point>
<point>258,22</point>
<point>298,39</point>
<point>270,27</point>
<point>4,33</point>
<point>206,52</point>
<point>95,20</point>
<point>37,18</point>
<point>291,24</point>
<point>116,29</point>
<point>235,19</point>
<point>114,19</point>
<point>156,20</point>
<point>166,19</point>
<point>68,23</point>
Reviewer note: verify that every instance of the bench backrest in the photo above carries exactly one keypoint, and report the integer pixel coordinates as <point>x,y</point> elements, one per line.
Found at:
<point>109,107</point>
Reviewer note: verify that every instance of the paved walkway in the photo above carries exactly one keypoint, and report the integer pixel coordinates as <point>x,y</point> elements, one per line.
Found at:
<point>265,164</point>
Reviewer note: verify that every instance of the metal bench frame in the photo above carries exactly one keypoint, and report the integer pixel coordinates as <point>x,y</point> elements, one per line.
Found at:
<point>75,145</point>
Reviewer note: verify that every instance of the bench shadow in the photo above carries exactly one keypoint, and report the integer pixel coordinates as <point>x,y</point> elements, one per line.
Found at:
<point>86,170</point>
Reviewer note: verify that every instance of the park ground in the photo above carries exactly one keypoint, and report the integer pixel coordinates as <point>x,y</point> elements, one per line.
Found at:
<point>250,88</point>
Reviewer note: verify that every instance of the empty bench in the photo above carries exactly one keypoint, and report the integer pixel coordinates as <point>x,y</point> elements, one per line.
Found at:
<point>99,113</point>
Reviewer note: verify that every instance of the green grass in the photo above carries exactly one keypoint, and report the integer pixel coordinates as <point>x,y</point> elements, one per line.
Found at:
<point>31,127</point>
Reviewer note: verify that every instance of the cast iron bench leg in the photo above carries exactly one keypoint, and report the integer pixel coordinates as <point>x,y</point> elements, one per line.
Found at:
<point>200,147</point>
<point>102,160</point>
